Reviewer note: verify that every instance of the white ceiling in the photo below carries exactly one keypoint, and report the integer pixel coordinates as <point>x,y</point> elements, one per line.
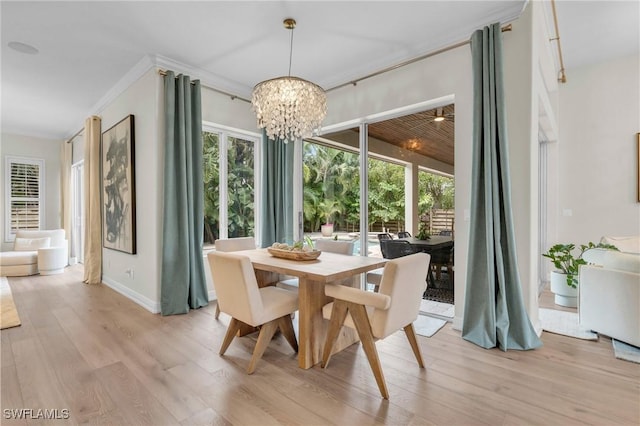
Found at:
<point>86,47</point>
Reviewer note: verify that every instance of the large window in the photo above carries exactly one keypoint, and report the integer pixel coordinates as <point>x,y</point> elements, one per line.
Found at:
<point>331,187</point>
<point>436,202</point>
<point>229,172</point>
<point>386,196</point>
<point>24,204</point>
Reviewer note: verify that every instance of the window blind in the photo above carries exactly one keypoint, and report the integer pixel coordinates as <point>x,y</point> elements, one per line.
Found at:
<point>25,196</point>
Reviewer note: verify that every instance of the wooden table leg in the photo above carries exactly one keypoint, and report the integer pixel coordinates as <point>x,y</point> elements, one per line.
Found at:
<point>312,327</point>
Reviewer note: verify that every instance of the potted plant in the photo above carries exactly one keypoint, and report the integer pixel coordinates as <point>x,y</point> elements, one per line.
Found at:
<point>564,281</point>
<point>328,208</point>
<point>423,232</point>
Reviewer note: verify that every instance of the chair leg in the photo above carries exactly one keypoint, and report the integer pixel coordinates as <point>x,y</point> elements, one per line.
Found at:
<point>232,330</point>
<point>411,335</point>
<point>338,314</point>
<point>361,320</point>
<point>217,314</point>
<point>286,325</point>
<point>266,334</point>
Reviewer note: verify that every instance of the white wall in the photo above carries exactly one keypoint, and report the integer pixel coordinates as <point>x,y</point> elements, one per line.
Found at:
<point>144,99</point>
<point>597,151</point>
<point>48,150</point>
<point>141,100</point>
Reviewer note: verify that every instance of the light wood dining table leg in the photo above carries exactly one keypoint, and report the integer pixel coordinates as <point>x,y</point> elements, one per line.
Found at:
<point>312,327</point>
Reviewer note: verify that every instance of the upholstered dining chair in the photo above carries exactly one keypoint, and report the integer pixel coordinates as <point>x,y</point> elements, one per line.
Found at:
<point>378,315</point>
<point>331,246</point>
<point>269,308</point>
<point>335,246</point>
<point>233,244</point>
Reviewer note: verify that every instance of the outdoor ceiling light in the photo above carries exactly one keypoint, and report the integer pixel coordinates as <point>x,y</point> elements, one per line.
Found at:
<point>439,115</point>
<point>289,107</point>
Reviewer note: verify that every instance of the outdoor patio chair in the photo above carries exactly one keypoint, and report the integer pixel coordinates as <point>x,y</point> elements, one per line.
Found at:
<point>384,236</point>
<point>442,258</point>
<point>404,234</point>
<point>392,249</point>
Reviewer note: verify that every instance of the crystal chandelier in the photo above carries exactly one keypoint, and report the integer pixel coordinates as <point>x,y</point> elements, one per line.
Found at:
<point>289,108</point>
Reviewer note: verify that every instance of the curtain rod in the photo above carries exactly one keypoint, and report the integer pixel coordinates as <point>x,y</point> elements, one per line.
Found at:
<point>232,96</point>
<point>74,135</point>
<point>507,27</point>
<point>562,78</point>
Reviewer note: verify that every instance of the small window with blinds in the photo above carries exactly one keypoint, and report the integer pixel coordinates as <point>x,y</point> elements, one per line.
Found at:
<point>25,195</point>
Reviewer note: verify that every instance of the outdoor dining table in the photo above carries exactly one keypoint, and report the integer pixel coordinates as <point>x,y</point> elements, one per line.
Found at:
<point>434,243</point>
<point>313,275</point>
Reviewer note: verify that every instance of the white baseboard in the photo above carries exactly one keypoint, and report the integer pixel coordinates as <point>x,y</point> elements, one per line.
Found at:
<point>145,302</point>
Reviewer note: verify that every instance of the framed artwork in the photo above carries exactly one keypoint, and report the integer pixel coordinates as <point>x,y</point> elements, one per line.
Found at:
<point>118,187</point>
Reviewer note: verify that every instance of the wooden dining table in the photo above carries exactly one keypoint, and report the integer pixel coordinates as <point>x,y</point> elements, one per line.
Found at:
<point>313,275</point>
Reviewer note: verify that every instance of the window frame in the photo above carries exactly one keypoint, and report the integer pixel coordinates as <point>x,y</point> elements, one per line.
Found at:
<point>9,161</point>
<point>224,133</point>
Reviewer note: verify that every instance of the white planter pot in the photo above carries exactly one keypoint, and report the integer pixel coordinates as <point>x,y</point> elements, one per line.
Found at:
<point>564,295</point>
<point>327,230</point>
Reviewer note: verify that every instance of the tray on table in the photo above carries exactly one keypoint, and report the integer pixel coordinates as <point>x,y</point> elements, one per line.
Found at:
<point>294,255</point>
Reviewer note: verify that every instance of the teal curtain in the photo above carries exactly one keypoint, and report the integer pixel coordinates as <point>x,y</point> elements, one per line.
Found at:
<point>494,312</point>
<point>277,191</point>
<point>183,284</point>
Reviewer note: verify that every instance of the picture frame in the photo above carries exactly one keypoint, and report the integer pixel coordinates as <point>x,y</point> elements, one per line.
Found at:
<point>118,187</point>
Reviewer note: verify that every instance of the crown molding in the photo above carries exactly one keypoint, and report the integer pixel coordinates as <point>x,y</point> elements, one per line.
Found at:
<point>150,62</point>
<point>206,78</point>
<point>133,75</point>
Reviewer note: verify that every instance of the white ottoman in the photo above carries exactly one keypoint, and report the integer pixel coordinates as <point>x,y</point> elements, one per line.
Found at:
<point>51,260</point>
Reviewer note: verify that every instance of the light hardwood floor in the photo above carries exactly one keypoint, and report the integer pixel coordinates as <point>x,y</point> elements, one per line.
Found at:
<point>108,361</point>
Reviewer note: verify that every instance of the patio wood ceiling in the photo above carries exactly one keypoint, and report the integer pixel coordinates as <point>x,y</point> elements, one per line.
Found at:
<point>419,133</point>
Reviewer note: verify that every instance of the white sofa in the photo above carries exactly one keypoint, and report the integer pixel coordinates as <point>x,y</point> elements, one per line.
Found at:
<point>43,252</point>
<point>609,290</point>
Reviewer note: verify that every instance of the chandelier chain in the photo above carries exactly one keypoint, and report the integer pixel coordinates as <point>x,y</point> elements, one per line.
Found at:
<point>290,51</point>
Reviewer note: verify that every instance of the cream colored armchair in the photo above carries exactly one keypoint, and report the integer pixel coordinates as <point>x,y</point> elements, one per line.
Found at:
<point>269,308</point>
<point>230,245</point>
<point>377,315</point>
